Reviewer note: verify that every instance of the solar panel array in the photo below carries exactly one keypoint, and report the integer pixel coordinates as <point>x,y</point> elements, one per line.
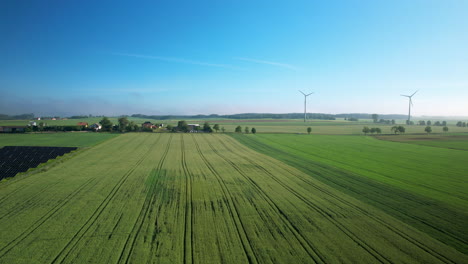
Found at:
<point>14,160</point>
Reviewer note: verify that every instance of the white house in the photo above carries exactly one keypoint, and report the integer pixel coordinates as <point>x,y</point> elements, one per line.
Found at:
<point>96,126</point>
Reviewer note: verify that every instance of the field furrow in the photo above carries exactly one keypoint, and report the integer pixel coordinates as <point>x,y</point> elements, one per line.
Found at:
<point>197,198</point>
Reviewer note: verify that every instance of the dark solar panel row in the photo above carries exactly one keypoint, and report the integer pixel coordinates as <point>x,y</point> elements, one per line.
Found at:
<point>16,159</point>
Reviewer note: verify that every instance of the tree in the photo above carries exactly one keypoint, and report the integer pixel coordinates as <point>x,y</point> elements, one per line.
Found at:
<point>429,123</point>
<point>422,122</point>
<point>375,117</point>
<point>207,128</point>
<point>401,129</point>
<point>106,124</point>
<point>378,130</point>
<point>398,129</point>
<point>254,130</point>
<point>309,129</point>
<point>428,129</point>
<point>393,121</point>
<point>123,122</point>
<point>216,127</point>
<point>459,123</point>
<point>169,127</point>
<point>246,130</point>
<point>223,129</point>
<point>365,130</point>
<point>238,129</point>
<point>445,129</point>
<point>182,126</point>
<point>437,123</point>
<point>130,126</point>
<point>444,123</point>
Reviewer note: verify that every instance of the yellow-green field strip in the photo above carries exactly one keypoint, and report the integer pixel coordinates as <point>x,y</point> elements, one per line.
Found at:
<point>184,198</point>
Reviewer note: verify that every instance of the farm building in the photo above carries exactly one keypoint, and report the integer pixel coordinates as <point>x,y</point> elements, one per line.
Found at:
<point>32,123</point>
<point>12,129</point>
<point>193,127</point>
<point>96,126</point>
<point>85,124</point>
<point>149,125</point>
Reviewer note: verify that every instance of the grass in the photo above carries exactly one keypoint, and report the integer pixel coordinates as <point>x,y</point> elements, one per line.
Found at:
<point>71,139</point>
<point>173,198</point>
<point>422,186</point>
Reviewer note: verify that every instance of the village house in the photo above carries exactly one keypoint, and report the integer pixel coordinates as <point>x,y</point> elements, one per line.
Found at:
<point>84,124</point>
<point>148,124</point>
<point>96,126</point>
<point>193,127</point>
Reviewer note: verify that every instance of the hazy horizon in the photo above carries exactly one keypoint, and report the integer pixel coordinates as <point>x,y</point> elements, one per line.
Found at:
<point>206,57</point>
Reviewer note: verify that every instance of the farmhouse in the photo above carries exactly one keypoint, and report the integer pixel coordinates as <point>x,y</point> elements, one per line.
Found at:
<point>193,127</point>
<point>148,124</point>
<point>84,124</point>
<point>12,129</point>
<point>96,126</point>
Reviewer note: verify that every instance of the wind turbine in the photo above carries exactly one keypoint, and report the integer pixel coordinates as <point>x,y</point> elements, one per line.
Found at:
<point>305,104</point>
<point>410,104</point>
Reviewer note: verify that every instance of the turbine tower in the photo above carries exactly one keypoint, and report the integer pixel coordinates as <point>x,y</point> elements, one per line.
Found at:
<point>409,104</point>
<point>305,104</point>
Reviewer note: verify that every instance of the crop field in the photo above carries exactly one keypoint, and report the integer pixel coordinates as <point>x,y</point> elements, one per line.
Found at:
<point>451,141</point>
<point>424,187</point>
<point>71,139</point>
<point>185,198</point>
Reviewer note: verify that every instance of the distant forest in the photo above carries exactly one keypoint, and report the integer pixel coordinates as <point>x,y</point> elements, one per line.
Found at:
<point>16,117</point>
<point>270,116</point>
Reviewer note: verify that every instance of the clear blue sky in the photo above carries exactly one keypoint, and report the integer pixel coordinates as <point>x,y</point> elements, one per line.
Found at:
<point>223,57</point>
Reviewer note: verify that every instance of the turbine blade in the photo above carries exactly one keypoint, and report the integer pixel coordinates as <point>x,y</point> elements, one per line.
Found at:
<point>415,92</point>
<point>404,95</point>
<point>309,94</point>
<point>302,92</point>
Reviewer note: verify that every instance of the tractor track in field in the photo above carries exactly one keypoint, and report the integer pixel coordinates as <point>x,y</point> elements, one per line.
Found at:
<point>72,243</point>
<point>38,223</point>
<point>379,173</point>
<point>25,203</point>
<point>395,230</point>
<point>379,257</point>
<point>395,211</point>
<point>232,208</point>
<point>130,242</point>
<point>308,248</point>
<point>188,230</point>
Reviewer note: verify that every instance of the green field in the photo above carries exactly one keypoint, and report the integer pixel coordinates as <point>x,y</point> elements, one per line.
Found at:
<point>423,186</point>
<point>451,141</point>
<point>70,139</point>
<point>184,198</point>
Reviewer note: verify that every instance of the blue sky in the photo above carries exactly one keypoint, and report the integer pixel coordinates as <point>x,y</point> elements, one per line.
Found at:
<point>224,57</point>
